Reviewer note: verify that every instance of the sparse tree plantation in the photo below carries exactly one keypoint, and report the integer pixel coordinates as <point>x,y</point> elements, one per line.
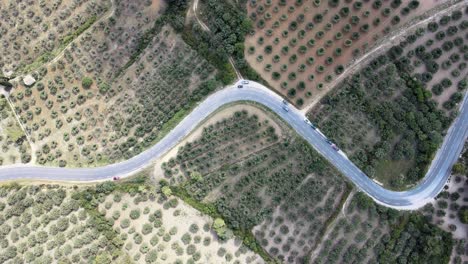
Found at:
<point>46,224</point>
<point>126,222</point>
<point>13,141</point>
<point>368,233</point>
<point>305,45</point>
<point>34,32</point>
<point>275,191</point>
<point>159,229</point>
<point>117,89</point>
<point>392,115</point>
<point>91,83</point>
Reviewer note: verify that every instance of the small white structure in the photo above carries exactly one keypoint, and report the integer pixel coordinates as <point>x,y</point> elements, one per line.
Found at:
<point>28,80</point>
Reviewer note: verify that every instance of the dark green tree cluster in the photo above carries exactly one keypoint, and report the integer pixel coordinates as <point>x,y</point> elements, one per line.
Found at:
<point>401,121</point>
<point>228,26</point>
<point>414,240</point>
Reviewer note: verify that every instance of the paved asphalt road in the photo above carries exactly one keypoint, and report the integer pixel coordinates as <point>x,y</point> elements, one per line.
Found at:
<point>429,187</point>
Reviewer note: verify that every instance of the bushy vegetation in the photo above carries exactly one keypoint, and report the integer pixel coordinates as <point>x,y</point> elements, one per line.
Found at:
<point>228,26</point>
<point>49,224</point>
<point>389,109</point>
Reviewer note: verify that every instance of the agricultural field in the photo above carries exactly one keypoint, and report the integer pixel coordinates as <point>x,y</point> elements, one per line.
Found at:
<point>115,90</point>
<point>391,116</point>
<point>449,211</point>
<point>268,185</point>
<point>15,147</point>
<point>160,230</point>
<point>365,232</point>
<point>44,224</point>
<point>33,32</point>
<point>300,47</point>
<point>127,222</point>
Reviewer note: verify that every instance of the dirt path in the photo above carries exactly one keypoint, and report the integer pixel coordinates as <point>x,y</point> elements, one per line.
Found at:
<point>239,75</point>
<point>386,43</point>
<point>26,133</point>
<point>194,8</point>
<point>110,13</point>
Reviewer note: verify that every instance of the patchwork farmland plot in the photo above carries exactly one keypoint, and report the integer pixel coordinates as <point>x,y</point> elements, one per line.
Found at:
<point>34,32</point>
<point>299,47</point>
<point>261,184</point>
<point>110,96</point>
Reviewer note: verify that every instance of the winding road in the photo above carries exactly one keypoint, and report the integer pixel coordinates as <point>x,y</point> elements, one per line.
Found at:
<point>415,198</point>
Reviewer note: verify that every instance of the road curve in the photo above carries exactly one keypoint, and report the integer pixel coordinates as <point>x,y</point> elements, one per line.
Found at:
<point>414,198</point>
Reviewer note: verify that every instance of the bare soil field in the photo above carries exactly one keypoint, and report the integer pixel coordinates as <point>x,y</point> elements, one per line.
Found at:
<point>300,47</point>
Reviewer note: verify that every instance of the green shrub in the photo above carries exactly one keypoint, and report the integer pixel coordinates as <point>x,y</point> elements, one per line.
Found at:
<point>86,82</point>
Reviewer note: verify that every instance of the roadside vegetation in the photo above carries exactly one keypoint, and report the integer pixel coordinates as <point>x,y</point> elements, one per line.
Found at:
<point>300,47</point>
<point>13,141</point>
<point>391,117</point>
